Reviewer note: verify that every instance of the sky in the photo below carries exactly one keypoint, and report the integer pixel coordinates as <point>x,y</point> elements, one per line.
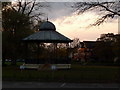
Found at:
<point>73,26</point>
<point>70,24</point>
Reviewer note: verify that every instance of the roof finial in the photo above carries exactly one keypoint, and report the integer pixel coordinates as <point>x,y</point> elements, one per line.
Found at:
<point>47,17</point>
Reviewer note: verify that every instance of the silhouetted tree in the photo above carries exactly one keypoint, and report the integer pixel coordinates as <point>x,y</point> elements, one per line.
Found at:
<point>75,43</point>
<point>18,22</point>
<point>15,26</point>
<point>32,8</point>
<point>116,49</point>
<point>103,51</point>
<point>107,9</point>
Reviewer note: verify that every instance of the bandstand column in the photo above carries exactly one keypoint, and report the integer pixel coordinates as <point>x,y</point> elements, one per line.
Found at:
<point>38,50</point>
<point>26,52</point>
<point>55,53</point>
<point>67,49</point>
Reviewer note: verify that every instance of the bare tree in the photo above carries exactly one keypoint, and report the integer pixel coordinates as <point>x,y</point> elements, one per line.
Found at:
<point>75,43</point>
<point>31,8</point>
<point>107,9</point>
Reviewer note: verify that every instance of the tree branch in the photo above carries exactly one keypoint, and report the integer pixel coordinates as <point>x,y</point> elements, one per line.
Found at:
<point>19,6</point>
<point>23,7</point>
<point>36,15</point>
<point>107,9</point>
<point>31,8</point>
<point>102,19</point>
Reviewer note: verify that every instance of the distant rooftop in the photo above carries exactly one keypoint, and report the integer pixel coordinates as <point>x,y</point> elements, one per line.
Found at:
<point>89,44</point>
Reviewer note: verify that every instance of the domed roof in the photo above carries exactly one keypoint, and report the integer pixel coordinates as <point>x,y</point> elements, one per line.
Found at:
<point>47,26</point>
<point>47,34</point>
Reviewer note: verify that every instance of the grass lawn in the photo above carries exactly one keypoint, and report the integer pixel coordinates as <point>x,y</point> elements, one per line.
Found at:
<point>78,73</point>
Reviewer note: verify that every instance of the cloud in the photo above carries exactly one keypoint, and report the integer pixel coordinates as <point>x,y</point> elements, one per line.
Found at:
<point>57,9</point>
<point>75,26</point>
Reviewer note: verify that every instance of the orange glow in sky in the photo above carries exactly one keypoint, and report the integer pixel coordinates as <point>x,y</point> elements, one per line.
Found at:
<point>75,26</point>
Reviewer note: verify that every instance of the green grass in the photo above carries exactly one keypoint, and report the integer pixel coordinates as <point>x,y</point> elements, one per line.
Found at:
<point>18,63</point>
<point>77,73</point>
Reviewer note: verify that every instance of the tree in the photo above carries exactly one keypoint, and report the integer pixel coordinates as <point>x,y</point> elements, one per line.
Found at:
<point>107,37</point>
<point>108,47</point>
<point>31,8</point>
<point>18,22</point>
<point>107,9</point>
<point>16,26</point>
<point>116,48</point>
<point>75,43</point>
<point>103,51</point>
<point>5,4</point>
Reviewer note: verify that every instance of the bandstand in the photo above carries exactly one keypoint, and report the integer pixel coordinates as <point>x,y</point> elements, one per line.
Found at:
<point>47,34</point>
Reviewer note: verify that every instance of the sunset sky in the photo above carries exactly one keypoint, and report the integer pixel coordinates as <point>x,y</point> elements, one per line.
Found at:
<point>73,26</point>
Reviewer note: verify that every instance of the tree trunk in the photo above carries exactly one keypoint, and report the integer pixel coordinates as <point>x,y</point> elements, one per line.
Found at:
<point>3,62</point>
